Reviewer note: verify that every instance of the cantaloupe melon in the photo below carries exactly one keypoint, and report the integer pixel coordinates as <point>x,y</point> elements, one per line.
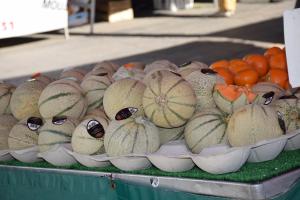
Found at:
<point>253,123</point>
<point>262,88</point>
<point>131,136</point>
<point>6,124</point>
<point>56,130</point>
<point>160,65</point>
<point>101,72</point>
<point>62,98</point>
<point>24,100</point>
<point>169,101</point>
<point>98,112</point>
<point>110,66</point>
<point>25,133</point>
<point>170,134</point>
<point>155,74</point>
<point>230,97</point>
<point>122,94</point>
<point>40,77</point>
<point>88,137</point>
<point>289,107</point>
<point>133,73</point>
<point>94,87</point>
<point>203,84</point>
<point>6,91</point>
<point>189,67</point>
<point>76,73</point>
<point>206,128</point>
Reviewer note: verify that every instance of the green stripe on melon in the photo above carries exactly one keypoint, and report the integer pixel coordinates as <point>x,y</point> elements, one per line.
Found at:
<point>131,136</point>
<point>169,101</point>
<point>206,128</point>
<point>62,98</point>
<point>94,88</point>
<point>95,104</point>
<point>51,134</point>
<point>56,96</point>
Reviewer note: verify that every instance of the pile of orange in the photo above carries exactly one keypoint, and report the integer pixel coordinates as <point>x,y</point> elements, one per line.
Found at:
<point>253,68</point>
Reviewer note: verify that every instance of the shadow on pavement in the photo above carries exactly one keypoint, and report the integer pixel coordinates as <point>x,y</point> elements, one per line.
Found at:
<point>206,52</point>
<point>267,31</point>
<point>18,40</point>
<point>175,15</point>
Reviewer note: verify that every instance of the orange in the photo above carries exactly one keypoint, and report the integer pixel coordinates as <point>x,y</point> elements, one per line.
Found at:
<point>278,61</point>
<point>278,76</point>
<point>237,65</point>
<point>219,64</point>
<point>246,77</point>
<point>259,62</point>
<point>226,75</point>
<point>272,51</point>
<point>262,79</point>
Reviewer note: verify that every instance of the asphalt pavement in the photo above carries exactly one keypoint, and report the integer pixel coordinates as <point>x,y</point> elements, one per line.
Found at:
<point>194,34</point>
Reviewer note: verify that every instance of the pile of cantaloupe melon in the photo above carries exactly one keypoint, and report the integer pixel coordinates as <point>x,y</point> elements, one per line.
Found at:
<point>136,108</point>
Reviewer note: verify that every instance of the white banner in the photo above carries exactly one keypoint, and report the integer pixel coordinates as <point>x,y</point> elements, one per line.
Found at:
<point>24,17</point>
<point>292,44</point>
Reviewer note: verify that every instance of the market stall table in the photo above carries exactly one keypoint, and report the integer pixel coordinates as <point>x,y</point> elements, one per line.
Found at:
<point>276,179</point>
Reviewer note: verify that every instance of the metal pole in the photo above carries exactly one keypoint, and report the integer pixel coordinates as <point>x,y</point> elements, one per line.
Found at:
<point>67,34</point>
<point>92,15</point>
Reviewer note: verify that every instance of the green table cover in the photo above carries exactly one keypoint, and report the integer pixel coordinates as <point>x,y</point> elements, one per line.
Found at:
<point>20,184</point>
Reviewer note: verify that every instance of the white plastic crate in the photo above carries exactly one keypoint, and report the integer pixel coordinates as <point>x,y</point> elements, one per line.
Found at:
<point>173,5</point>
